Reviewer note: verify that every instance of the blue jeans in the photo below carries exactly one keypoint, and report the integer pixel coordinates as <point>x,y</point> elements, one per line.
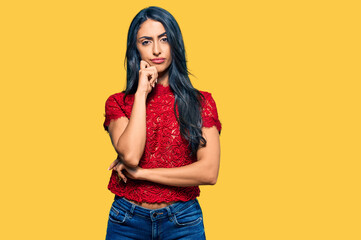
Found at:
<point>180,220</point>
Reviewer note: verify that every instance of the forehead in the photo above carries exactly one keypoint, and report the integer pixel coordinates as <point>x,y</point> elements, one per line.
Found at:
<point>150,27</point>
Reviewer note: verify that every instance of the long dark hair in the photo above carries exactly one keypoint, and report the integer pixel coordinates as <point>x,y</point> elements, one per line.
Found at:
<point>187,98</point>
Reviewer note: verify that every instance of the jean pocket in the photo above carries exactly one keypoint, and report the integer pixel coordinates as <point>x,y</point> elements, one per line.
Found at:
<point>118,215</point>
<point>190,216</point>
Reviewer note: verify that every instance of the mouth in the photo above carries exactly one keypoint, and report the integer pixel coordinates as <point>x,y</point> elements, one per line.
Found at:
<point>158,60</point>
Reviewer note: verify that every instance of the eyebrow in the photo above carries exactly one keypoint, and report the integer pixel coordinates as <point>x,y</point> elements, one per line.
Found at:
<point>146,37</point>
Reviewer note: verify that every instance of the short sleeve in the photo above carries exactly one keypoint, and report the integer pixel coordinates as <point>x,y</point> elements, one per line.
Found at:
<point>209,113</point>
<point>113,109</point>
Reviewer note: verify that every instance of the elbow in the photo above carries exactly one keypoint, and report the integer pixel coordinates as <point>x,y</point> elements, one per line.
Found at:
<point>128,159</point>
<point>130,155</point>
<point>131,161</point>
<point>210,178</point>
<point>213,181</point>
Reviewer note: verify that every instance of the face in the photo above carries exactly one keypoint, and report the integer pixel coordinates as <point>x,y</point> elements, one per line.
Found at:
<point>153,46</point>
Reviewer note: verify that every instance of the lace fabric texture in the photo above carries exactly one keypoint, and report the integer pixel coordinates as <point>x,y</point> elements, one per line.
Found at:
<point>164,147</point>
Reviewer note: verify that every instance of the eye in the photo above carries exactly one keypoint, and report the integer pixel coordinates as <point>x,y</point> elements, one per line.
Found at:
<point>145,42</point>
<point>165,39</point>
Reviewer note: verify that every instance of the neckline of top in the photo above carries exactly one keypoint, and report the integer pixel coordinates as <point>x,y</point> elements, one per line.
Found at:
<point>160,89</point>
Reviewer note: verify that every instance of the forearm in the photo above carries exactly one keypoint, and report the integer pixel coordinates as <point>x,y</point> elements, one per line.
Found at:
<point>131,143</point>
<point>193,174</point>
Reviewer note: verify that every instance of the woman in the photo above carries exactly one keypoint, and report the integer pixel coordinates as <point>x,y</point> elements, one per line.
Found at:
<point>166,134</point>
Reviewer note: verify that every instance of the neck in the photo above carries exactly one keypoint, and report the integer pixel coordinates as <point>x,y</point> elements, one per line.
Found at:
<point>163,78</point>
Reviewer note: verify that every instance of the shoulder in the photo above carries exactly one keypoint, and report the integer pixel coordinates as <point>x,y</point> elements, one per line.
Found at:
<point>205,93</point>
<point>207,98</point>
<point>209,111</point>
<point>118,98</point>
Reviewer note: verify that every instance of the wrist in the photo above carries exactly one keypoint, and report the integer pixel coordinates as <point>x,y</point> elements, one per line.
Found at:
<point>144,174</point>
<point>141,94</point>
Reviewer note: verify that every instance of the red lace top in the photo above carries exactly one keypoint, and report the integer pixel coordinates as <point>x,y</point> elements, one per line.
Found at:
<point>164,147</point>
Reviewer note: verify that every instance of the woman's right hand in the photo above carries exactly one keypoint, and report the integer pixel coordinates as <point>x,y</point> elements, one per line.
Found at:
<point>148,77</point>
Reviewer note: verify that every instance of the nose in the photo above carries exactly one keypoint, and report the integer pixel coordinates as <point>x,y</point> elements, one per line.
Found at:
<point>156,49</point>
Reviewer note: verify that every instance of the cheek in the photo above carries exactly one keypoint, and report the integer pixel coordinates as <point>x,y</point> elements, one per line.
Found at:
<point>170,59</point>
<point>142,52</point>
<point>169,52</point>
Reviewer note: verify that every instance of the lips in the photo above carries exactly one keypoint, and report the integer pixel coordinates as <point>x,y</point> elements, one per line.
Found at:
<point>158,60</point>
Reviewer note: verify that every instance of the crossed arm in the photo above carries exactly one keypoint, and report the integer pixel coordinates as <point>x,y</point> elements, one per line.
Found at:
<point>128,138</point>
<point>202,172</point>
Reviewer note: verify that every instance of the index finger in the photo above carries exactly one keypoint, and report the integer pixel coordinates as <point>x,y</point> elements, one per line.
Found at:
<point>144,64</point>
<point>113,164</point>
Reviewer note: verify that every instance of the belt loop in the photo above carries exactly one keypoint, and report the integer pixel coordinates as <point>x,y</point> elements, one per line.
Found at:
<point>169,212</point>
<point>132,208</point>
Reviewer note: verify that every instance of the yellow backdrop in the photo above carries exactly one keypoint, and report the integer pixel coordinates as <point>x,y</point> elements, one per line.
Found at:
<point>285,76</point>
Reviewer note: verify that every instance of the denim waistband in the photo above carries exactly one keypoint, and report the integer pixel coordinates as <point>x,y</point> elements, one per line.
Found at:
<point>153,214</point>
